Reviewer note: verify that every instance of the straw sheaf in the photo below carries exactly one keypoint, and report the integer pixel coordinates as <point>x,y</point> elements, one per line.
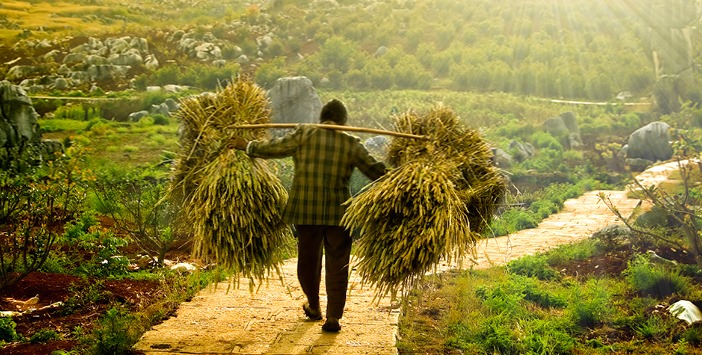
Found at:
<point>432,206</point>
<point>230,203</point>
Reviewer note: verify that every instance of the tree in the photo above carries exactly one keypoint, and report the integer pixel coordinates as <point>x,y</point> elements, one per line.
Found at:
<point>34,206</point>
<point>137,205</point>
<point>681,206</point>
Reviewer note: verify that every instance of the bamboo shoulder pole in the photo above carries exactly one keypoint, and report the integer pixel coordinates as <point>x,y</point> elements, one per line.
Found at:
<point>330,126</point>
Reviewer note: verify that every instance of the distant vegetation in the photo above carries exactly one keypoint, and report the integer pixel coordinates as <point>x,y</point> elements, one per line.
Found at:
<point>578,49</point>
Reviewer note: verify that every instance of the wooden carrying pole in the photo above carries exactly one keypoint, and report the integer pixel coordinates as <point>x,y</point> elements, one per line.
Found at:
<point>331,126</point>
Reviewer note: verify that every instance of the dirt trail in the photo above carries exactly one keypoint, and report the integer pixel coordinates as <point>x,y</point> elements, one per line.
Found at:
<point>271,321</point>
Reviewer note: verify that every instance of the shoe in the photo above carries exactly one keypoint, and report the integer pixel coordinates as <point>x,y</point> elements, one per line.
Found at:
<point>331,325</point>
<point>312,314</point>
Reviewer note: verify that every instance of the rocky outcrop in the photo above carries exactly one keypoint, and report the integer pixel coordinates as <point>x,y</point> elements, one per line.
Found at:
<point>565,126</point>
<point>19,127</point>
<point>294,100</point>
<point>651,142</point>
<point>18,119</point>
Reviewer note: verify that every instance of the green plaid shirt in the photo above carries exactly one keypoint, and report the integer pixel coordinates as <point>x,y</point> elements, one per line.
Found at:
<point>324,160</point>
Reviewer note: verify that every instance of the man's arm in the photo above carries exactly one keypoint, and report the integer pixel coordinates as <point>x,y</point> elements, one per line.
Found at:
<point>277,148</point>
<point>368,165</point>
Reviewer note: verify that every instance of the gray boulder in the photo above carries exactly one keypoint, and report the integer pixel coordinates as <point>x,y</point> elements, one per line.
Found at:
<point>136,116</point>
<point>117,45</point>
<point>128,58</point>
<point>242,59</point>
<point>381,51</point>
<point>207,51</point>
<point>93,46</point>
<point>651,142</point>
<point>63,70</point>
<point>172,105</point>
<point>49,147</point>
<point>107,72</point>
<point>294,100</point>
<point>60,84</point>
<point>74,58</point>
<point>20,72</point>
<point>501,158</point>
<point>18,119</point>
<point>521,151</point>
<point>565,125</point>
<point>151,63</point>
<point>140,44</point>
<point>614,236</point>
<point>93,59</point>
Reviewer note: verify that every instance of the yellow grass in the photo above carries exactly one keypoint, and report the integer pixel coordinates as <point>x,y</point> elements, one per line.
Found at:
<point>46,16</point>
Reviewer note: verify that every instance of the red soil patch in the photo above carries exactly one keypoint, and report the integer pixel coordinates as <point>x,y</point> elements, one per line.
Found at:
<point>71,313</point>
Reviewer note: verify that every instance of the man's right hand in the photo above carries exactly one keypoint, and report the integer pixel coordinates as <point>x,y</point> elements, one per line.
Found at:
<point>239,143</point>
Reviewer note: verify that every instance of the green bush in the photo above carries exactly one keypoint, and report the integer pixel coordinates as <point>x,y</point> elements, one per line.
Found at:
<point>8,333</point>
<point>43,336</point>
<point>160,119</point>
<point>33,206</point>
<point>135,202</point>
<point>652,328</point>
<point>590,304</point>
<point>548,337</point>
<point>532,266</point>
<point>570,252</point>
<point>83,295</point>
<point>78,112</point>
<point>498,336</point>
<point>113,335</point>
<point>655,280</point>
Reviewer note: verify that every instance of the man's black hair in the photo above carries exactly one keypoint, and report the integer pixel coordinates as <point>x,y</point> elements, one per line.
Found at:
<point>335,111</point>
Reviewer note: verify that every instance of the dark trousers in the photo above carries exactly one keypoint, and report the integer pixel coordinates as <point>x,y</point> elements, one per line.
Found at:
<point>337,248</point>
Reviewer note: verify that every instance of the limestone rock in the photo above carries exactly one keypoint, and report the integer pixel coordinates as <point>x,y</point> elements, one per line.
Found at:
<point>294,100</point>
<point>651,142</point>
<point>18,119</point>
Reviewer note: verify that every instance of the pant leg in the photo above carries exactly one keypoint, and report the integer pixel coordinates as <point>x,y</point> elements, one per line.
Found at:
<point>309,261</point>
<point>337,250</point>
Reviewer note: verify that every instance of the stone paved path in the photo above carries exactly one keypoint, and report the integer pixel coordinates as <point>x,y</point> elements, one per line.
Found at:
<point>271,321</point>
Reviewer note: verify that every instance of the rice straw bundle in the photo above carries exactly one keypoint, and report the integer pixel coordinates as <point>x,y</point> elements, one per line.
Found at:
<point>432,206</point>
<point>230,203</point>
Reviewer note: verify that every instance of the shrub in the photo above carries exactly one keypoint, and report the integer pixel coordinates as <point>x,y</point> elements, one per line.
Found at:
<point>654,280</point>
<point>548,337</point>
<point>32,208</point>
<point>44,335</point>
<point>652,328</point>
<point>77,112</point>
<point>498,336</point>
<point>84,295</point>
<point>135,201</point>
<point>545,140</point>
<point>7,329</point>
<point>589,304</point>
<point>160,119</point>
<point>532,266</point>
<point>113,335</point>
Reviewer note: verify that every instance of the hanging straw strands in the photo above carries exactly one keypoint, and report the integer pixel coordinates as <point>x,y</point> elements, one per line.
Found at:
<point>231,204</point>
<point>432,206</point>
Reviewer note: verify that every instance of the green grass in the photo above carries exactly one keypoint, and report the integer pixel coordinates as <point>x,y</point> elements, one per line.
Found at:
<point>516,310</point>
<point>62,125</point>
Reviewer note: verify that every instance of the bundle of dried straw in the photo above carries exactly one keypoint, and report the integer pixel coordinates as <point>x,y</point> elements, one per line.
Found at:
<point>433,205</point>
<point>230,203</point>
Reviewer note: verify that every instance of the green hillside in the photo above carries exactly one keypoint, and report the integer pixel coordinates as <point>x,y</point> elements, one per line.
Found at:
<point>580,49</point>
